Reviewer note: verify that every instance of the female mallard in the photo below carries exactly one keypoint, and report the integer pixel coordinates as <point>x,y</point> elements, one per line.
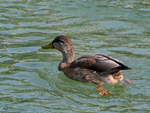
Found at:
<point>98,69</point>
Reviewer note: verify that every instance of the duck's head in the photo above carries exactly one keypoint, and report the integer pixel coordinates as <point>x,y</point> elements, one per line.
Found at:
<point>61,43</point>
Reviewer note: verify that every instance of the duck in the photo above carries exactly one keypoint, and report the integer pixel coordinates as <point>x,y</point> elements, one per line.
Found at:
<point>98,69</point>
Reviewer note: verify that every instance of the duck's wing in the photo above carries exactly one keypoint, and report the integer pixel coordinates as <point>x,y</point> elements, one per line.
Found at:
<point>99,63</point>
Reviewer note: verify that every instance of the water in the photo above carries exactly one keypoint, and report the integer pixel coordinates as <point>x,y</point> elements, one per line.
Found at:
<point>29,79</point>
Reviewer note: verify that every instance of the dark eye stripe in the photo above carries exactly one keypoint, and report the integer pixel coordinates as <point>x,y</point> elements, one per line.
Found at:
<point>57,40</point>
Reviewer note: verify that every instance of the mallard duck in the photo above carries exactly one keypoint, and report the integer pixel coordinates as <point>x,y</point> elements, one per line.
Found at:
<point>98,68</point>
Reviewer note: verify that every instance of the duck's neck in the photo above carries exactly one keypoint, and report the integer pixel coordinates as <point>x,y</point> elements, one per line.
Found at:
<point>68,57</point>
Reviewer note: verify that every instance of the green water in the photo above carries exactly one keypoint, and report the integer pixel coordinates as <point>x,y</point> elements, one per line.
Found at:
<point>29,79</point>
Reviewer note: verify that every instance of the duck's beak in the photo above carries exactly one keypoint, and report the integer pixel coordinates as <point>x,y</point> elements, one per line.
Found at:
<point>48,46</point>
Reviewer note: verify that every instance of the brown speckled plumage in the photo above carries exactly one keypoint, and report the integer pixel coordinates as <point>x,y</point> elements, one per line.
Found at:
<point>98,69</point>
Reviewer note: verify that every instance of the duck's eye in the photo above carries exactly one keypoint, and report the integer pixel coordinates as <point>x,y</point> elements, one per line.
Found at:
<point>57,41</point>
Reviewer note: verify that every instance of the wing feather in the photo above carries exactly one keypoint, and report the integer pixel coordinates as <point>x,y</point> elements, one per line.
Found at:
<point>100,63</point>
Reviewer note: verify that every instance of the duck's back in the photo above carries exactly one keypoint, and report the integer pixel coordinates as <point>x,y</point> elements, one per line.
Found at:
<point>99,63</point>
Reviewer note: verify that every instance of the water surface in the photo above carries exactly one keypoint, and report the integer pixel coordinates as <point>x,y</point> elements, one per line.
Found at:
<point>29,79</point>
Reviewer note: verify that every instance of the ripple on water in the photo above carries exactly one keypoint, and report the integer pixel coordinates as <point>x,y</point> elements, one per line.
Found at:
<point>29,79</point>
